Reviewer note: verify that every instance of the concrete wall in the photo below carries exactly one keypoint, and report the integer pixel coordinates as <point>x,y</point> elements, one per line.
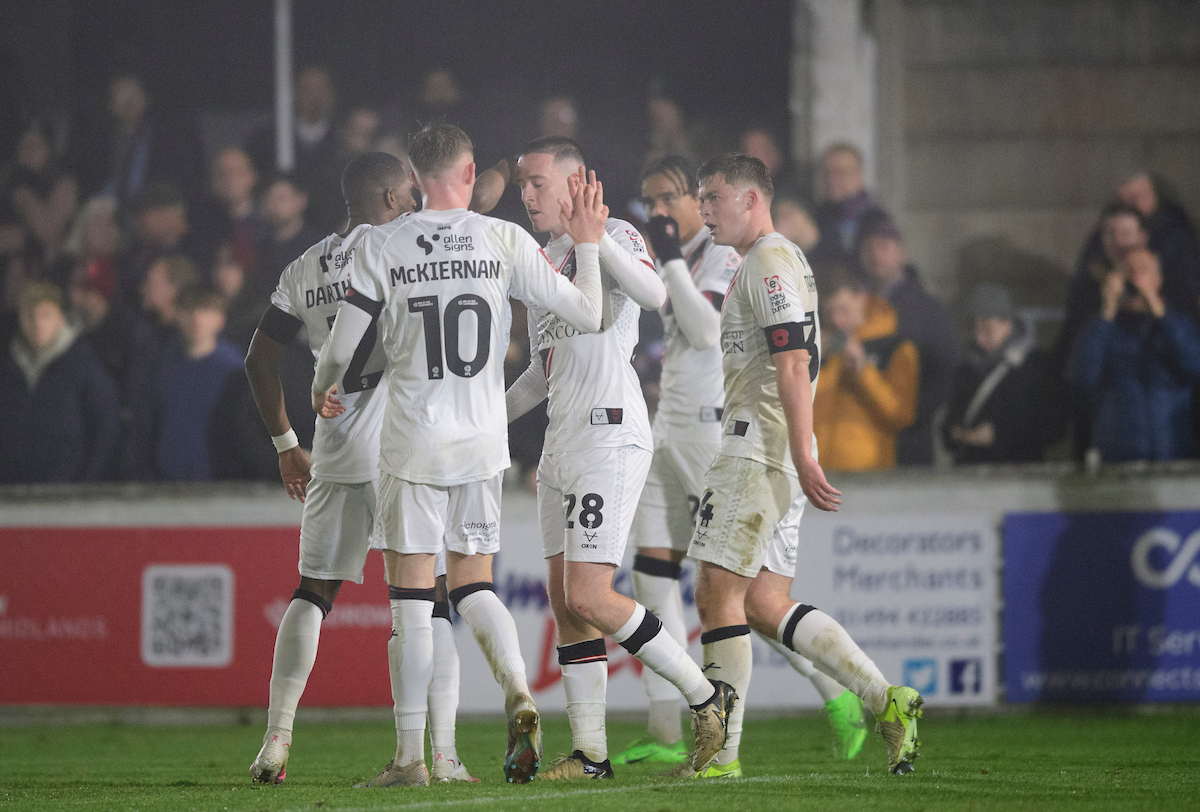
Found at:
<point>1018,118</point>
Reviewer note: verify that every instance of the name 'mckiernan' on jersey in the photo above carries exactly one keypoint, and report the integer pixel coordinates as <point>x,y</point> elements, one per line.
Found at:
<point>445,270</point>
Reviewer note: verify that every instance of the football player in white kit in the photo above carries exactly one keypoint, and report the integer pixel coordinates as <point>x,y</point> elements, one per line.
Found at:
<point>687,437</point>
<point>755,491</point>
<point>338,490</point>
<point>439,280</point>
<point>594,462</point>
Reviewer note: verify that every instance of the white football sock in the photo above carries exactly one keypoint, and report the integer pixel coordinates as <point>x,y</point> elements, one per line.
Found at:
<point>585,680</point>
<point>660,595</point>
<point>410,660</point>
<point>644,637</point>
<point>729,658</point>
<point>295,653</point>
<point>822,639</point>
<point>827,687</point>
<point>443,692</point>
<point>496,634</point>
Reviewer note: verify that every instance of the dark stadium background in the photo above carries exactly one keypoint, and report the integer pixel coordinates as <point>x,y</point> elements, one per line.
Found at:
<point>219,55</point>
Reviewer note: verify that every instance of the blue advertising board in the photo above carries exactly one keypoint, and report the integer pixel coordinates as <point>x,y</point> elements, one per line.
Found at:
<point>1102,606</point>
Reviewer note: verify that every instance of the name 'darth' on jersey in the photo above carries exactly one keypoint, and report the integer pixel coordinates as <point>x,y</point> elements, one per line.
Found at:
<point>326,293</point>
<point>445,270</point>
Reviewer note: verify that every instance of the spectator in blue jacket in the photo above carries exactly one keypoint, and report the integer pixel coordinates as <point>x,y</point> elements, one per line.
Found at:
<point>185,392</point>
<point>61,420</point>
<point>1139,357</point>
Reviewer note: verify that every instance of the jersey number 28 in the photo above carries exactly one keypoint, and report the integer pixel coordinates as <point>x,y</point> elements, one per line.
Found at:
<point>433,319</point>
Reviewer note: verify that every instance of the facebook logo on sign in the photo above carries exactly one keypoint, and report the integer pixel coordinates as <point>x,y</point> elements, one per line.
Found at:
<point>921,675</point>
<point>966,676</point>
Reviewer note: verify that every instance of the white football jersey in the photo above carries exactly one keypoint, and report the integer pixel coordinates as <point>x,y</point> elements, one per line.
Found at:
<point>771,306</point>
<point>692,387</point>
<point>346,447</point>
<point>443,279</point>
<point>595,397</point>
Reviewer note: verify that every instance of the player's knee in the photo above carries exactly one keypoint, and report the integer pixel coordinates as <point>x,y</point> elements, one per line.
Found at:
<point>758,611</point>
<point>580,603</point>
<point>326,591</point>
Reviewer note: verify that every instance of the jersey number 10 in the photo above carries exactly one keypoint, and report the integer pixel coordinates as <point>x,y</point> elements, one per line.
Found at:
<point>433,319</point>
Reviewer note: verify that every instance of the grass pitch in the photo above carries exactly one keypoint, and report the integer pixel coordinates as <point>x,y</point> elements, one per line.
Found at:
<point>1061,760</point>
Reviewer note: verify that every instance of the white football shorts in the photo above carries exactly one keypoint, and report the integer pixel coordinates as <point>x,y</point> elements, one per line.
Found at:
<point>586,501</point>
<point>744,503</point>
<point>666,512</point>
<point>418,518</point>
<point>336,529</point>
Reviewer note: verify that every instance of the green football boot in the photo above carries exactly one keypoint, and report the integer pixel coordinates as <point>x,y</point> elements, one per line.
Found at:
<point>849,730</point>
<point>714,770</point>
<point>650,750</point>
<point>898,724</point>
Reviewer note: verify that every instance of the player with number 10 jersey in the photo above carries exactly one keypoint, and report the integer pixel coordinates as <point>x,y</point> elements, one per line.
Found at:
<point>442,280</point>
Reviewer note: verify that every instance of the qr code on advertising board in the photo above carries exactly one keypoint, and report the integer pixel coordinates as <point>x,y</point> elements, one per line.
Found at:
<point>187,615</point>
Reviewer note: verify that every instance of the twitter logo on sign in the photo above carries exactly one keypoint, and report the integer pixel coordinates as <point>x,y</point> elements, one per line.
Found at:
<point>921,675</point>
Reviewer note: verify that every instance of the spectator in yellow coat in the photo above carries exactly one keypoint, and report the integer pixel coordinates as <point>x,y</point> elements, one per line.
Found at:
<point>867,391</point>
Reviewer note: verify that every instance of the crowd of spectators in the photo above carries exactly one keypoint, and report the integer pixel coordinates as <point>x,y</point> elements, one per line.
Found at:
<point>135,269</point>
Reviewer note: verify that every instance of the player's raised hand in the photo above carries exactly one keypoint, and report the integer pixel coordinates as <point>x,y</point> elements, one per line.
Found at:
<point>326,405</point>
<point>295,471</point>
<point>584,216</point>
<point>820,493</point>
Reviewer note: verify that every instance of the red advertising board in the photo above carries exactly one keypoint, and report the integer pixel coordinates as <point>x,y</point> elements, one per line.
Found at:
<point>173,616</point>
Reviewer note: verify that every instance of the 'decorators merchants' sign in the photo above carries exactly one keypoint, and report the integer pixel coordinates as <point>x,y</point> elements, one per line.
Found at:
<point>916,591</point>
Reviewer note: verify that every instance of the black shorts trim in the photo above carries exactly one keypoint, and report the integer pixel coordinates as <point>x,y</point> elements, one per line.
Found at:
<point>442,609</point>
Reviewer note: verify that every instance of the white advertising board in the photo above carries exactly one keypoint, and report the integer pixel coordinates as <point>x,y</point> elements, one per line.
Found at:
<point>917,591</point>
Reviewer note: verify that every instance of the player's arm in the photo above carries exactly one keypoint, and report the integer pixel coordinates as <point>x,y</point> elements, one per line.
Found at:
<point>490,186</point>
<point>627,262</point>
<point>354,317</point>
<point>795,395</point>
<point>787,315</point>
<point>531,388</point>
<point>697,313</point>
<point>355,314</point>
<point>275,330</point>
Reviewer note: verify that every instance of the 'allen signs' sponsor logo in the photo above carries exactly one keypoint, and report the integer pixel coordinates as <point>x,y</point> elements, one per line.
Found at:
<point>450,242</point>
<point>1183,563</point>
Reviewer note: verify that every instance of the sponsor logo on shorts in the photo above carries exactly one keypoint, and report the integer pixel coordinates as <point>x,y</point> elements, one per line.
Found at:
<point>607,417</point>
